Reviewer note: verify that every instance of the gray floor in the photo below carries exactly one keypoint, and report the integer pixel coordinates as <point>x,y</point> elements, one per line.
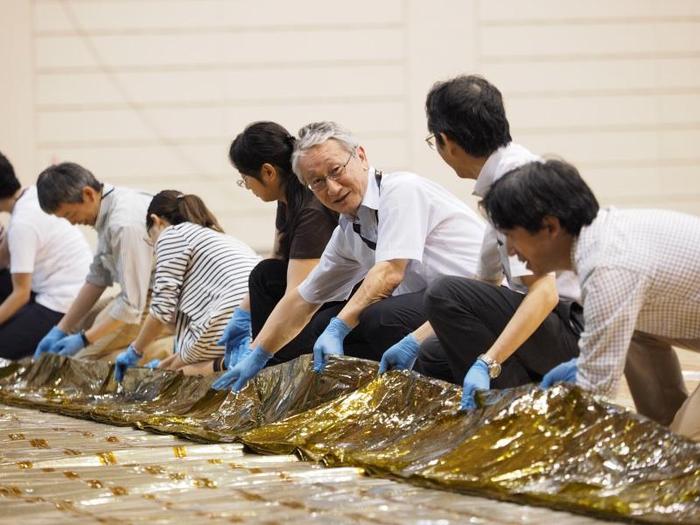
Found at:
<point>58,469</point>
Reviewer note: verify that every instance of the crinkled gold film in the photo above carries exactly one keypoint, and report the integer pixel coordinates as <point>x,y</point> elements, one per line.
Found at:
<point>559,448</point>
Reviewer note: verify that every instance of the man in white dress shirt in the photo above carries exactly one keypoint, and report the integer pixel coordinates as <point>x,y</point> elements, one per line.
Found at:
<point>397,233</point>
<point>515,334</point>
<point>639,272</point>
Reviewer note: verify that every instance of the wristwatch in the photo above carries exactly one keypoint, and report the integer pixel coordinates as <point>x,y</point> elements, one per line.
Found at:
<point>493,366</point>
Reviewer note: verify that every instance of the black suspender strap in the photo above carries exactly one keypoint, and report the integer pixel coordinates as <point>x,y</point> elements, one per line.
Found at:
<point>356,226</point>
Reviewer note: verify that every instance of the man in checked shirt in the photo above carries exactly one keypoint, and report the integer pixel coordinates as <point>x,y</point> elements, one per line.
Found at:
<point>639,272</point>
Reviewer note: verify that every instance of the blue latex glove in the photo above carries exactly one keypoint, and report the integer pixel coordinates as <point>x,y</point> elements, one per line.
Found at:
<point>330,342</point>
<point>153,364</point>
<point>69,345</point>
<point>477,378</point>
<point>130,357</point>
<point>236,337</point>
<point>247,368</point>
<point>50,339</point>
<point>562,373</point>
<point>401,356</point>
<point>235,356</point>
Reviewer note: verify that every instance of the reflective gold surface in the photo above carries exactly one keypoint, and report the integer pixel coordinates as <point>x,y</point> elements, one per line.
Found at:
<point>558,448</point>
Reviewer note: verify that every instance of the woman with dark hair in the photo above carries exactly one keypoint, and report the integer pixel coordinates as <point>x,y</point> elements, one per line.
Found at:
<point>262,154</point>
<point>201,275</point>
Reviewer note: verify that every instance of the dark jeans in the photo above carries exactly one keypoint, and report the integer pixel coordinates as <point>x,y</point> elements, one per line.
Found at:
<point>381,324</point>
<point>21,334</point>
<point>469,315</point>
<point>266,286</point>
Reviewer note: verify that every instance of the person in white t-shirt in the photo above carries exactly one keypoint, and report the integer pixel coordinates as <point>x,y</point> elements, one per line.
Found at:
<point>44,260</point>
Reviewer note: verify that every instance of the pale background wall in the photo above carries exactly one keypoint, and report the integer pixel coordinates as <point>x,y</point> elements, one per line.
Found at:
<point>149,93</point>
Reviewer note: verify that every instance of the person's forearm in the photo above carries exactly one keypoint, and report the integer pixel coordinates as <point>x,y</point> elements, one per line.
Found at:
<point>539,302</point>
<point>4,249</point>
<point>245,303</point>
<point>378,284</point>
<point>285,322</point>
<point>106,326</point>
<point>86,299</point>
<point>423,332</point>
<point>11,305</point>
<point>150,330</point>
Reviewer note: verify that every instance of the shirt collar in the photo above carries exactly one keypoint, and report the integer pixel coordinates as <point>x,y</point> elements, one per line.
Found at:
<point>500,162</point>
<point>105,206</point>
<point>584,243</point>
<point>370,199</point>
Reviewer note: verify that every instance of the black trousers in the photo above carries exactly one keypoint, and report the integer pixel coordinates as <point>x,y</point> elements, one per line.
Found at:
<point>21,334</point>
<point>381,324</point>
<point>469,315</point>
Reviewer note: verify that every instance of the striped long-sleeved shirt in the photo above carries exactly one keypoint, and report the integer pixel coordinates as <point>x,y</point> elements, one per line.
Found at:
<point>201,276</point>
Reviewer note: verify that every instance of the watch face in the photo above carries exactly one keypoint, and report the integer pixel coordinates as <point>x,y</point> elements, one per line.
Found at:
<point>494,370</point>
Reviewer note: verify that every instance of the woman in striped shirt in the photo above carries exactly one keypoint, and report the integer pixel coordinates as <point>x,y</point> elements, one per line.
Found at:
<point>201,276</point>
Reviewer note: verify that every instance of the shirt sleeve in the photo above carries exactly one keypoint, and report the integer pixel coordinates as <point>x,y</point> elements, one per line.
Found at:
<point>133,258</point>
<point>312,231</point>
<point>612,301</point>
<point>404,212</point>
<point>173,255</point>
<point>23,243</point>
<point>335,275</point>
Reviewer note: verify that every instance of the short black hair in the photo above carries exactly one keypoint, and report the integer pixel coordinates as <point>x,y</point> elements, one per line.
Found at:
<point>8,180</point>
<point>526,195</point>
<point>469,110</point>
<point>63,183</point>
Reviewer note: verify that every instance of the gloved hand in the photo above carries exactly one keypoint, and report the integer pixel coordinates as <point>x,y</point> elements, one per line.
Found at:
<point>233,357</point>
<point>236,332</point>
<point>330,342</point>
<point>562,373</point>
<point>50,339</point>
<point>69,345</point>
<point>400,356</point>
<point>237,377</point>
<point>154,363</point>
<point>130,357</point>
<point>477,378</point>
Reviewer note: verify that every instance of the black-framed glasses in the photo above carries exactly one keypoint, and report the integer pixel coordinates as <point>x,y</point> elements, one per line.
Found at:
<point>321,183</point>
<point>431,141</point>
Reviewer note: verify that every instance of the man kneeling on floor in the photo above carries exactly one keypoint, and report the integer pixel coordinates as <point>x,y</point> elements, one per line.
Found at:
<point>397,233</point>
<point>639,272</point>
<point>123,256</point>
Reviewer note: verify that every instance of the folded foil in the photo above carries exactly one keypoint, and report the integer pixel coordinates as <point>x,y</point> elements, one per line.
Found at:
<point>559,448</point>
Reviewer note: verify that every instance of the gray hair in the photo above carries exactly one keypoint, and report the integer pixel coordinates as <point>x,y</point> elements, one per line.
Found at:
<point>63,183</point>
<point>317,133</point>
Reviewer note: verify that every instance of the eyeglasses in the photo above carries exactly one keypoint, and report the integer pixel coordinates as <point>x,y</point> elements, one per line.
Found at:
<point>321,183</point>
<point>241,183</point>
<point>431,141</point>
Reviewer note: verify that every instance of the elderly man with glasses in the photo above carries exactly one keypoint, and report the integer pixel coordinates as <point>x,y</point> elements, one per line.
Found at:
<point>397,233</point>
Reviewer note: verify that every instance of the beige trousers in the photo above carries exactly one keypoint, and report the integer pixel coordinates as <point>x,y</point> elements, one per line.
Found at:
<point>108,347</point>
<point>655,379</point>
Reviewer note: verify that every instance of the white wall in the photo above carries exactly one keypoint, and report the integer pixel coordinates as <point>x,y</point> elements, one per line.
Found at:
<point>149,93</point>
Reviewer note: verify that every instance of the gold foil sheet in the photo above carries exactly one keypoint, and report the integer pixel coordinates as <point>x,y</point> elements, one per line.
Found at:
<point>559,448</point>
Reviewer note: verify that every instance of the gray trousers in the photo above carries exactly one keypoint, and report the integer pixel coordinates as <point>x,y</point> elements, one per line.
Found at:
<point>656,383</point>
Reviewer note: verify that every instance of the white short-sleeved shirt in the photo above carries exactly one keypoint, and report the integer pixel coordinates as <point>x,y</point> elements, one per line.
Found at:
<point>51,249</point>
<point>494,262</point>
<point>406,217</point>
